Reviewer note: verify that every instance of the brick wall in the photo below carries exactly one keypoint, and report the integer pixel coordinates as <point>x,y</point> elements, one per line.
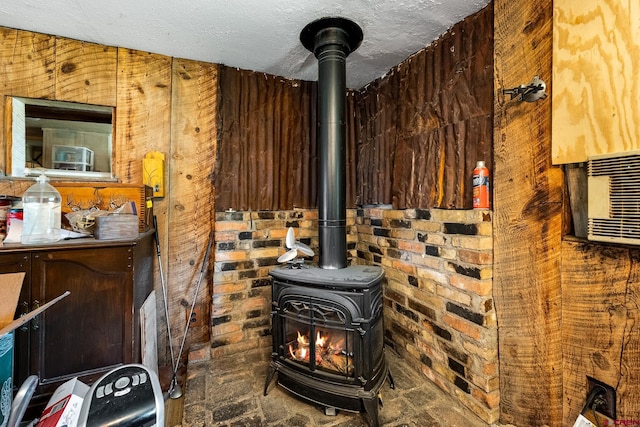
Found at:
<point>439,313</point>
<point>247,246</point>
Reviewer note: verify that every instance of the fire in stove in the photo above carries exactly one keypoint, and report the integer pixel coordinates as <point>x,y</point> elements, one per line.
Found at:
<point>329,354</point>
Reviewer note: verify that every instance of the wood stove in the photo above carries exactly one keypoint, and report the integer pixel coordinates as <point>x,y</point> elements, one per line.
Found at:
<point>327,320</point>
<point>328,336</point>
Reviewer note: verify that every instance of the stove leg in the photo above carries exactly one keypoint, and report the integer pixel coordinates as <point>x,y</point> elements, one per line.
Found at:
<point>392,385</point>
<point>371,407</point>
<point>272,372</point>
<point>330,411</point>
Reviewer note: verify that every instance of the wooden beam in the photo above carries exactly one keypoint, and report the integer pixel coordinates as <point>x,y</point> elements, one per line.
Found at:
<point>190,214</point>
<point>528,221</point>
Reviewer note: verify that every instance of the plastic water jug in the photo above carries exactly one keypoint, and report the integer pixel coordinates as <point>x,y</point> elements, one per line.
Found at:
<point>41,213</point>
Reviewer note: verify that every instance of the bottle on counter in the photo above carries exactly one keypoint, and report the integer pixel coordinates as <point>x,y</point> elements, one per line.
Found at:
<point>41,205</point>
<point>481,186</point>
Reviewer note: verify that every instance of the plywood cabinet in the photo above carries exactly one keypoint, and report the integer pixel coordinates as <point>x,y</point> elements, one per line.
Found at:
<point>95,328</point>
<point>596,78</point>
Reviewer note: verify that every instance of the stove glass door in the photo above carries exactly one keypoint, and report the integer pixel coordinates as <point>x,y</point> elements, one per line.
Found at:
<point>318,336</point>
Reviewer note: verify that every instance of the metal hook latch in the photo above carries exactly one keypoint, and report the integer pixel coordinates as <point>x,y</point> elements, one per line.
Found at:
<point>531,92</point>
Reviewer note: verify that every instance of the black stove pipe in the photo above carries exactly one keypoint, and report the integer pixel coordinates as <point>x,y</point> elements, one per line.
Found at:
<point>331,40</point>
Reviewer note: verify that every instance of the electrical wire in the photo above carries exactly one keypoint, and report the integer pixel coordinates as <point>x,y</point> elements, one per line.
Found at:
<point>595,416</point>
<point>598,402</point>
<point>594,400</point>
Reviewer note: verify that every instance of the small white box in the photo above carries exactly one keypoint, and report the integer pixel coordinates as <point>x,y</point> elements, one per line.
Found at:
<point>64,405</point>
<point>73,158</point>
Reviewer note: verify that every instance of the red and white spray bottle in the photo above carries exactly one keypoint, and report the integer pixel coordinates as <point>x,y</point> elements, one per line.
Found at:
<point>481,186</point>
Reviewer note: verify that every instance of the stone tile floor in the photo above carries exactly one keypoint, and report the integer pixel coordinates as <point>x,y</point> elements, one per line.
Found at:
<point>229,392</point>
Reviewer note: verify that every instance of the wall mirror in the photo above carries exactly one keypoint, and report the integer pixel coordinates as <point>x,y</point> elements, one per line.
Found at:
<point>61,139</point>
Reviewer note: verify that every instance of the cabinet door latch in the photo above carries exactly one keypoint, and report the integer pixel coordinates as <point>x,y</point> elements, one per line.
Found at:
<point>35,323</point>
<point>24,312</point>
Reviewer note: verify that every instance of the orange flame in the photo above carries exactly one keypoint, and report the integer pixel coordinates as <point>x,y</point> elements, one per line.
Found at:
<point>302,339</point>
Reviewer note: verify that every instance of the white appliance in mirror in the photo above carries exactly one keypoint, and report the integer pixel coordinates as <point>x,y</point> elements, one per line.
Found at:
<point>62,139</point>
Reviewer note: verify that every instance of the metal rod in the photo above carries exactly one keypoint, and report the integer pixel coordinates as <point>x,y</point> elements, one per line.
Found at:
<point>195,297</point>
<point>173,385</point>
<point>24,319</point>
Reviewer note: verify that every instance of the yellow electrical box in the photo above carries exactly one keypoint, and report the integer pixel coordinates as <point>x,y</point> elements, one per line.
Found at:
<point>153,172</point>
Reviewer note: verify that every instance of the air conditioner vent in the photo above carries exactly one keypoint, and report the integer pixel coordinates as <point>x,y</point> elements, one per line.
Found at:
<point>614,198</point>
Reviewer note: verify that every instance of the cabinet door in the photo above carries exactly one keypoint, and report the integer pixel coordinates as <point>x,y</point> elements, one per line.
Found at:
<point>15,263</point>
<point>86,333</point>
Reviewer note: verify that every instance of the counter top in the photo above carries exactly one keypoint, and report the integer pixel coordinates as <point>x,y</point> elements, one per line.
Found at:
<point>83,242</point>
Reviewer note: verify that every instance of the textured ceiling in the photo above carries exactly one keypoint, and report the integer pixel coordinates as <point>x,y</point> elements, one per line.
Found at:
<point>258,35</point>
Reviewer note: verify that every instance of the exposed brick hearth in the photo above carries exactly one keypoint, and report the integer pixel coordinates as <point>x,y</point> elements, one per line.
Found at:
<point>439,315</point>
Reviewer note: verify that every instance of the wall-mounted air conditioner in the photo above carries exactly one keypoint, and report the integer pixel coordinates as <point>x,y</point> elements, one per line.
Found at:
<point>613,184</point>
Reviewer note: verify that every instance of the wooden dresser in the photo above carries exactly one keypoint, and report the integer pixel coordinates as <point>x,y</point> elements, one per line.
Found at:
<point>96,327</point>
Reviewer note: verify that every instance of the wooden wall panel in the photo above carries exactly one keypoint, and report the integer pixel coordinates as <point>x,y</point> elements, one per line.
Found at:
<point>143,110</point>
<point>424,126</point>
<point>600,324</point>
<point>528,206</point>
<point>143,124</point>
<point>85,72</point>
<point>596,57</point>
<point>190,215</point>
<point>42,66</point>
<point>149,117</point>
<point>267,154</point>
<point>27,64</point>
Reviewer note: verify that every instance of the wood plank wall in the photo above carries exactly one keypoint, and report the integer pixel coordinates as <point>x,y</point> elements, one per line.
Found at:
<point>162,104</point>
<point>192,156</point>
<point>40,66</point>
<point>528,196</point>
<point>600,324</point>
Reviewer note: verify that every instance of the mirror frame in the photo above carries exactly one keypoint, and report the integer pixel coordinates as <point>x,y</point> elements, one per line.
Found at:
<point>10,116</point>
